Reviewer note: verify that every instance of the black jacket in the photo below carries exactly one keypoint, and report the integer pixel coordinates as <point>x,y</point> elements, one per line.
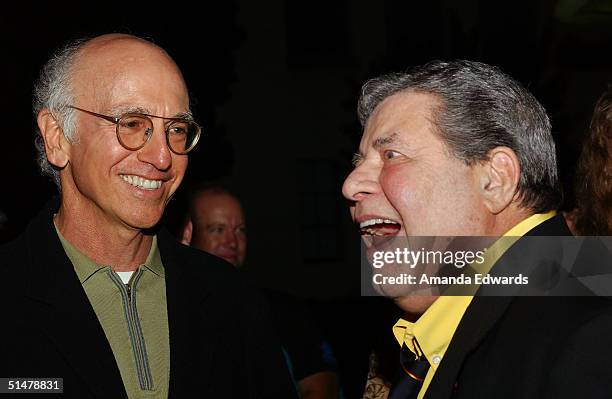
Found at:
<point>221,341</point>
<point>531,347</point>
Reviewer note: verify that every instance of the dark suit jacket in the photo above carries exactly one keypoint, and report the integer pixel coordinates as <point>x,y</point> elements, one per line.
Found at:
<point>530,347</point>
<point>221,343</point>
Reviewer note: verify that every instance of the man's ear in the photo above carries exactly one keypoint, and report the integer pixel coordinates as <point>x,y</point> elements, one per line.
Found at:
<point>499,179</point>
<point>186,234</point>
<point>56,145</point>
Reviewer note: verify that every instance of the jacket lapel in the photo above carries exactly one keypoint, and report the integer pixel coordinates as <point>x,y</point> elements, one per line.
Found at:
<point>481,316</point>
<point>58,303</point>
<point>190,347</point>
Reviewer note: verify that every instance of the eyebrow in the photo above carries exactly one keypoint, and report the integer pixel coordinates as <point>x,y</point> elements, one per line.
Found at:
<point>120,110</point>
<point>215,224</point>
<point>183,115</point>
<point>357,157</point>
<point>384,141</point>
<point>125,109</point>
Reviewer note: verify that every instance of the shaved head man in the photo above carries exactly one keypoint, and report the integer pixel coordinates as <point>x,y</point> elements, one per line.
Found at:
<point>216,225</point>
<point>109,302</point>
<point>113,192</point>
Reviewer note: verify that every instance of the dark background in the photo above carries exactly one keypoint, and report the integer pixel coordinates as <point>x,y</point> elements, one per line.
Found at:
<point>275,86</point>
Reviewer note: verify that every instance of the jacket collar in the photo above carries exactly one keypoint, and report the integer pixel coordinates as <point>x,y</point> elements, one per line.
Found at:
<point>57,300</point>
<point>185,297</point>
<point>480,317</point>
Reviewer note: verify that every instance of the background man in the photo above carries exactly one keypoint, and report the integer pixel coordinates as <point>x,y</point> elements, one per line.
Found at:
<point>460,149</point>
<point>216,224</point>
<point>101,298</point>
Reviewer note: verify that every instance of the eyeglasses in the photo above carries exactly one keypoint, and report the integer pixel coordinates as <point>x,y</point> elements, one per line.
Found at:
<point>135,129</point>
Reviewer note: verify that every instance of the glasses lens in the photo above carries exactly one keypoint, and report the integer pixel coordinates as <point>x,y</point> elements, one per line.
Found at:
<point>183,136</point>
<point>134,130</point>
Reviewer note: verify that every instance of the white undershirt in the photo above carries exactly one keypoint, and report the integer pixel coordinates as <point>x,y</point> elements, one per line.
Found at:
<point>125,276</point>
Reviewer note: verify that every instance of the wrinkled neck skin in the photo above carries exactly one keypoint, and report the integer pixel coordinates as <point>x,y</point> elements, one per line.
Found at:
<point>507,219</point>
<point>103,239</point>
<point>494,226</point>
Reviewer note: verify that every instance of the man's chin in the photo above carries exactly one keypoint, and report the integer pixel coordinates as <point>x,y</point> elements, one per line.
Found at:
<point>378,243</point>
<point>397,291</point>
<point>143,220</point>
<point>415,304</point>
<point>231,259</point>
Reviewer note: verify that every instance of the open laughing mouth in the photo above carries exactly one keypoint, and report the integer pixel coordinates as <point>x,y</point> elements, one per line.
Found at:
<point>378,233</point>
<point>379,227</point>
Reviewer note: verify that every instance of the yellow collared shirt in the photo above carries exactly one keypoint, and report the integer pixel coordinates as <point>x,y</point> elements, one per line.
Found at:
<point>436,327</point>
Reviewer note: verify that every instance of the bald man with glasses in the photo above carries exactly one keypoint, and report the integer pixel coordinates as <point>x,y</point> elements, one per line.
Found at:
<point>99,295</point>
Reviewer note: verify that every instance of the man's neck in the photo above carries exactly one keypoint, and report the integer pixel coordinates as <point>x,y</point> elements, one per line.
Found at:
<point>103,241</point>
<point>415,306</point>
<point>506,220</point>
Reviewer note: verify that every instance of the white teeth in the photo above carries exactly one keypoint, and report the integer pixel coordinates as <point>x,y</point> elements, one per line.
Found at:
<point>367,223</point>
<point>139,182</point>
<point>371,222</point>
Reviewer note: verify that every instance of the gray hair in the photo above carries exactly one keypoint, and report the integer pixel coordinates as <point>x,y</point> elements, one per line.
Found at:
<point>53,90</point>
<point>481,108</point>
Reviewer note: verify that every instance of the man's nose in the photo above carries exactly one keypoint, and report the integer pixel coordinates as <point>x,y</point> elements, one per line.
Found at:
<point>156,151</point>
<point>230,239</point>
<point>362,182</point>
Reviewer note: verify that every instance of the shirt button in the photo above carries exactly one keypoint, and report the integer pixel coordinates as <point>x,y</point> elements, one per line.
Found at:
<point>436,359</point>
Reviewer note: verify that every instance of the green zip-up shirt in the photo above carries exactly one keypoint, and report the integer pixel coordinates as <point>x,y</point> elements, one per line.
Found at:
<point>134,318</point>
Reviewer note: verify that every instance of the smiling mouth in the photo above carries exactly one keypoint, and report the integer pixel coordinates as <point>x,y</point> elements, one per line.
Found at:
<point>142,183</point>
<point>379,227</point>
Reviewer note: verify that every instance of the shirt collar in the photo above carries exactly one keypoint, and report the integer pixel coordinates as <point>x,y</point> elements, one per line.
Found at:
<point>85,267</point>
<point>153,261</point>
<point>499,247</point>
<point>435,328</point>
<point>528,224</point>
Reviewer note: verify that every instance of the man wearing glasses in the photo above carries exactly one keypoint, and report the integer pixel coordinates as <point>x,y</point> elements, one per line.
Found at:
<point>100,297</point>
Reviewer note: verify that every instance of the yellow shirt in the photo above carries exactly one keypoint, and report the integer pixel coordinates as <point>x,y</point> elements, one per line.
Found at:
<point>436,327</point>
